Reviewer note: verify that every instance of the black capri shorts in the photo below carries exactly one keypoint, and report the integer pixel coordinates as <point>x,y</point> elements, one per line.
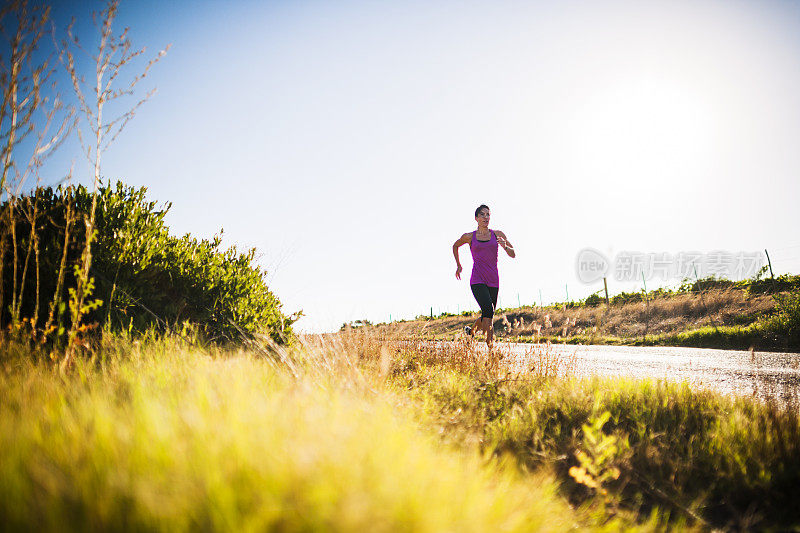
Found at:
<point>486,297</point>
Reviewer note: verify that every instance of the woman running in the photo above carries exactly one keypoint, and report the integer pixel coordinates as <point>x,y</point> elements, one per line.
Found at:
<point>485,280</point>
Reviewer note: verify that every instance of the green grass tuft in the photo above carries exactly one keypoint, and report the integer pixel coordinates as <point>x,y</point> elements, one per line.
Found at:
<point>693,454</point>
<point>180,441</point>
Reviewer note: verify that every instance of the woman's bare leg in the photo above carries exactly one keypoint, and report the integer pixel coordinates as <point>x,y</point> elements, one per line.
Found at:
<point>487,326</point>
<point>477,326</point>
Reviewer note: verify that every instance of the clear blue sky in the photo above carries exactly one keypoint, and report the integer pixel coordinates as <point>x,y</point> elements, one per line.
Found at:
<point>350,142</point>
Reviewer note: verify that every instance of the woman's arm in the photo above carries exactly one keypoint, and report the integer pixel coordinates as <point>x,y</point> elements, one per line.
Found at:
<point>460,242</point>
<point>502,240</point>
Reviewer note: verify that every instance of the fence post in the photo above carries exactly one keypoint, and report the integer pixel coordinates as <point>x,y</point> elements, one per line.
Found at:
<point>770,264</point>
<point>605,286</point>
<point>646,307</point>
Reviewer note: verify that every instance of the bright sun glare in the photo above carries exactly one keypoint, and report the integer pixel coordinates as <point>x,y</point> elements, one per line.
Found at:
<point>644,125</point>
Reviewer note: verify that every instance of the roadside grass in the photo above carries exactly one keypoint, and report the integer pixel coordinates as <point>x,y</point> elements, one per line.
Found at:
<point>355,431</point>
<point>721,337</point>
<point>158,436</point>
<point>683,456</point>
<point>692,455</point>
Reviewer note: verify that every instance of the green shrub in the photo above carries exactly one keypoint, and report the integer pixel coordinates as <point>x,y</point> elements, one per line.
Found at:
<point>144,276</point>
<point>786,322</point>
<point>705,284</point>
<point>660,293</point>
<point>356,324</point>
<point>593,300</point>
<point>626,297</point>
<point>782,283</point>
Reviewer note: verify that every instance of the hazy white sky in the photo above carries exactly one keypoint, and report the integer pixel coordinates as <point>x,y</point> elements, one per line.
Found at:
<point>350,142</point>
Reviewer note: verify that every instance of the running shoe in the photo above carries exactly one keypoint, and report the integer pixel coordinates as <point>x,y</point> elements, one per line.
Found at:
<point>468,330</point>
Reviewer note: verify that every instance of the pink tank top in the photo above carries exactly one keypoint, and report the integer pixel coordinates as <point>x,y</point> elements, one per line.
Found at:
<point>484,261</point>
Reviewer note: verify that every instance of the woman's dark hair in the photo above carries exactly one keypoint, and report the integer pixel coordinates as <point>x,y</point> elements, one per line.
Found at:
<point>477,211</point>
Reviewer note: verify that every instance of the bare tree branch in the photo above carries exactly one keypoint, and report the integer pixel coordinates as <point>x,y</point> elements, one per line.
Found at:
<point>113,56</point>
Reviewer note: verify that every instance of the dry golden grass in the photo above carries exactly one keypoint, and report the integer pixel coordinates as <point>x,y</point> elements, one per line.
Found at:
<point>663,315</point>
<point>391,351</point>
<point>158,437</point>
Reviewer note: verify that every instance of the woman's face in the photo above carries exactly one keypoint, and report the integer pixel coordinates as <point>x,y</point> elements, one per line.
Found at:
<point>483,218</point>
